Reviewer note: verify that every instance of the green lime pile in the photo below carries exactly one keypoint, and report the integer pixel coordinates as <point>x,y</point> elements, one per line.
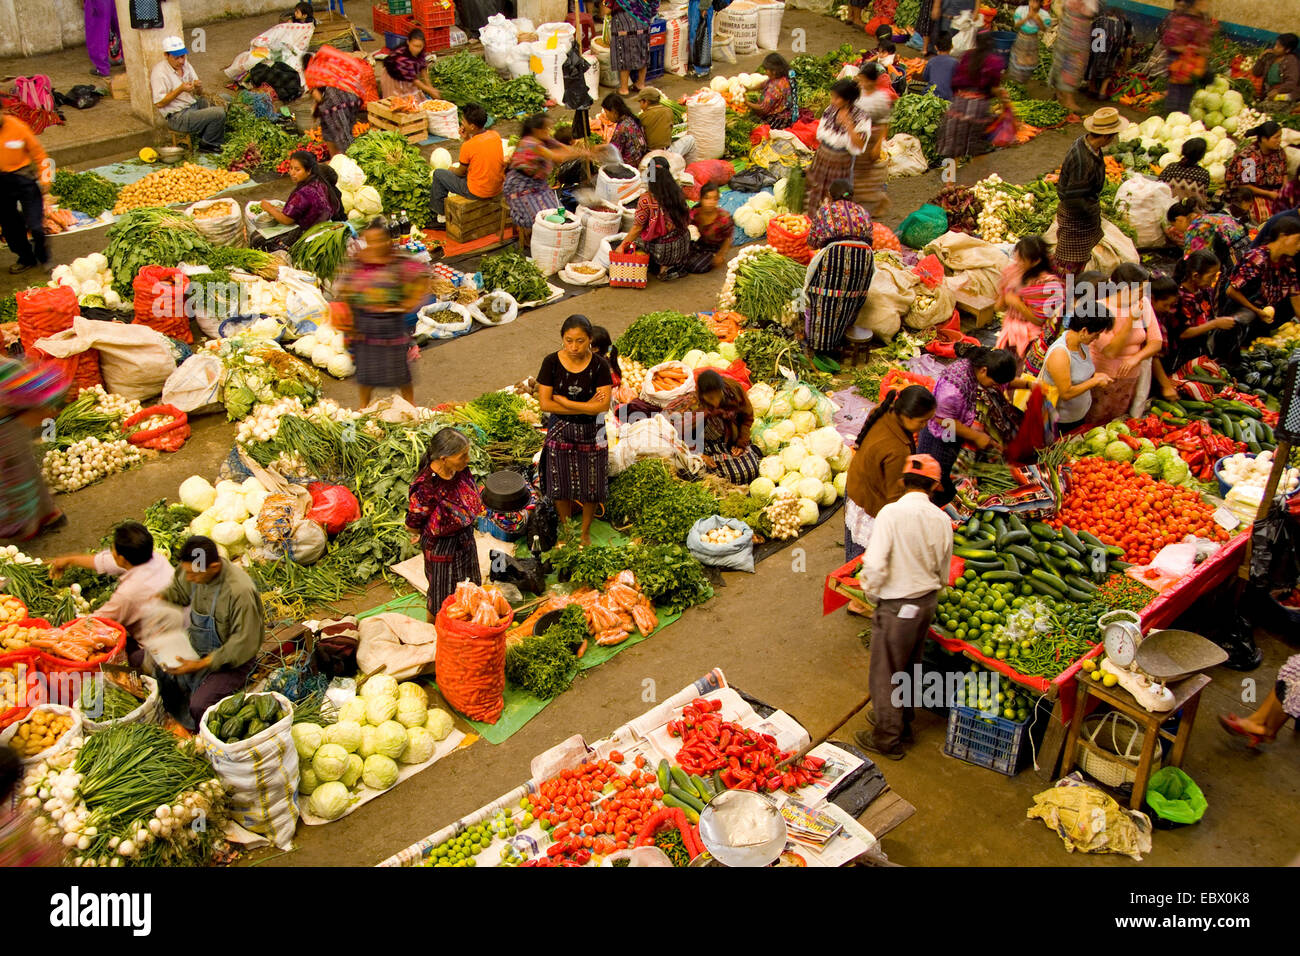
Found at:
<point>1001,697</point>
<point>461,849</point>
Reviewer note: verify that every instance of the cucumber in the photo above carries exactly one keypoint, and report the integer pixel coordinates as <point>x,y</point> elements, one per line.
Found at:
<point>1010,563</point>
<point>1254,446</point>
<point>1041,531</point>
<point>1015,524</point>
<point>991,576</point>
<point>1193,406</point>
<point>972,526</point>
<point>718,785</point>
<point>702,787</point>
<point>1023,554</point>
<point>976,554</point>
<point>1051,580</point>
<point>1114,551</point>
<point>999,525</point>
<point>1057,550</point>
<point>689,799</point>
<point>1072,540</point>
<point>1080,584</point>
<point>1046,589</point>
<point>1091,539</point>
<point>1241,409</point>
<point>1266,434</point>
<point>1011,537</point>
<point>1079,597</point>
<point>692,814</point>
<point>981,566</point>
<point>959,541</point>
<point>1075,565</point>
<point>680,780</point>
<point>1039,545</point>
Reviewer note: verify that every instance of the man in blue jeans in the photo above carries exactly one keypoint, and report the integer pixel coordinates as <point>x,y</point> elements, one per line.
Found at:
<point>178,96</point>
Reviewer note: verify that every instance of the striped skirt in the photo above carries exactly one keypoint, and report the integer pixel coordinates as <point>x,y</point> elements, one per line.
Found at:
<point>827,166</point>
<point>671,252</point>
<point>380,351</point>
<point>575,463</point>
<point>738,469</point>
<point>836,294</point>
<point>629,43</point>
<point>338,112</point>
<point>1077,234</point>
<point>448,561</point>
<point>870,185</point>
<point>964,130</point>
<point>1024,57</point>
<point>24,499</point>
<point>526,197</point>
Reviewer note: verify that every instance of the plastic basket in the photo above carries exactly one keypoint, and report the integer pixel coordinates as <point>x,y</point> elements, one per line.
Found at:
<point>29,660</point>
<point>897,379</point>
<point>1003,40</point>
<point>655,65</point>
<point>53,665</point>
<point>1224,487</point>
<point>399,7</point>
<point>433,13</point>
<point>629,270</point>
<point>990,742</point>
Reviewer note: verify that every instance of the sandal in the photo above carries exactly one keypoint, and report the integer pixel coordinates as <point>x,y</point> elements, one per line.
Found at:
<point>633,89</point>
<point>1233,725</point>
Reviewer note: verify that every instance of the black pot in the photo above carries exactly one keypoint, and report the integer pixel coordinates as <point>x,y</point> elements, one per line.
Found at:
<point>505,491</point>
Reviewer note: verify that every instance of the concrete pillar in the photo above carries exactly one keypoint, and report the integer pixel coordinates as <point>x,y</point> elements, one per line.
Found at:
<point>543,11</point>
<point>141,49</point>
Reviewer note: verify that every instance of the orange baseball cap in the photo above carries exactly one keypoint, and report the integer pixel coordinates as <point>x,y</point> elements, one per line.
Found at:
<point>924,465</point>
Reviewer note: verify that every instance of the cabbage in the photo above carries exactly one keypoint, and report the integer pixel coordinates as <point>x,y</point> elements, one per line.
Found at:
<point>728,351</point>
<point>780,407</point>
<point>815,467</point>
<point>825,442</point>
<point>841,483</point>
<point>761,488</point>
<point>843,458</point>
<point>307,781</point>
<point>380,709</point>
<point>1096,440</point>
<point>367,201</point>
<point>1146,444</point>
<point>381,685</point>
<point>307,739</point>
<point>772,468</point>
<point>790,480</point>
<point>693,358</point>
<point>196,494</point>
<point>229,533</point>
<point>419,745</point>
<point>784,429</point>
<point>410,690</point>
<point>380,772</point>
<point>367,741</point>
<point>439,723</point>
<point>329,762</point>
<point>1214,119</point>
<point>1166,159</point>
<point>1147,463</point>
<point>1177,119</point>
<point>330,800</point>
<point>412,711</point>
<point>352,773</point>
<point>229,506</point>
<point>1118,451</point>
<point>341,365</point>
<point>1166,452</point>
<point>804,421</point>
<point>1218,172</point>
<point>829,494</point>
<point>804,397</point>
<point>1118,428</point>
<point>792,457</point>
<point>1211,102</point>
<point>1233,103</point>
<point>390,739</point>
<point>808,511</point>
<point>1230,122</point>
<point>440,158</point>
<point>354,708</point>
<point>1175,471</point>
<point>345,733</point>
<point>760,398</point>
<point>810,488</point>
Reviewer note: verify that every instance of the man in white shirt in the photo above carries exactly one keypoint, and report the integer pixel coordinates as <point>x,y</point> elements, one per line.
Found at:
<point>178,96</point>
<point>904,568</point>
<point>143,573</point>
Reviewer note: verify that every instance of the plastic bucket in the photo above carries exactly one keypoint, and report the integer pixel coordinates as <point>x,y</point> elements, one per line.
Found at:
<point>1003,40</point>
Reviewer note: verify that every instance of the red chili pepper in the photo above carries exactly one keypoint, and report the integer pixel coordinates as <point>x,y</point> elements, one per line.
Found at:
<point>724,739</point>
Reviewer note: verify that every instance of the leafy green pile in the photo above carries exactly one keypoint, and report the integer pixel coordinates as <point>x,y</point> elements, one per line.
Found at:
<point>763,349</point>
<point>655,504</point>
<point>169,525</point>
<point>152,236</point>
<point>658,336</point>
<point>87,192</point>
<point>766,284</point>
<point>814,75</point>
<point>253,143</point>
<point>507,438</point>
<point>666,573</point>
<point>746,508</point>
<point>322,249</point>
<point>907,12</point>
<point>516,274</point>
<point>736,143</point>
<point>397,169</point>
<point>8,308</point>
<point>258,371</point>
<point>465,78</point>
<point>1040,113</point>
<point>919,115</point>
<point>544,664</point>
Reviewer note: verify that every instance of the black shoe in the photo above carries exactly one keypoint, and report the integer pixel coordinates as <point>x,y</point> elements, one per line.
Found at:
<point>205,148</point>
<point>95,72</point>
<point>868,743</point>
<point>20,267</point>
<point>907,735</point>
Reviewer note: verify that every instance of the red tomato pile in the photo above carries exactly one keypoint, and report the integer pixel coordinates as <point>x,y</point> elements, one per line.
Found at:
<point>564,805</point>
<point>1131,510</point>
<point>748,761</point>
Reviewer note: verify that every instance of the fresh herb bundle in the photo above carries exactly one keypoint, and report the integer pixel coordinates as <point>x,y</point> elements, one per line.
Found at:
<point>397,169</point>
<point>655,504</point>
<point>322,249</point>
<point>919,115</point>
<point>515,274</point>
<point>89,193</point>
<point>544,664</point>
<point>658,336</point>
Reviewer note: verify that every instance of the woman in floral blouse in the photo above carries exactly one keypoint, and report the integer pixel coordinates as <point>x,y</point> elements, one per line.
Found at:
<point>1257,173</point>
<point>1266,282</point>
<point>776,107</point>
<point>662,222</point>
<point>716,231</point>
<point>442,512</point>
<point>628,136</point>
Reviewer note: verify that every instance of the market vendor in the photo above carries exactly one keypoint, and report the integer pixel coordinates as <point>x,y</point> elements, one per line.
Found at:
<point>629,40</point>
<point>1193,327</point>
<point>225,627</point>
<point>1256,175</point>
<point>840,274</point>
<point>657,121</point>
<point>977,81</point>
<point>1079,188</point>
<point>29,393</point>
<point>903,570</point>
<point>1034,299</point>
<point>1031,22</point>
<point>627,136</point>
<point>662,222</point>
<point>1068,368</point>
<point>1265,286</point>
<point>574,387</point>
<point>842,134</point>
<point>315,199</point>
<point>1188,180</point>
<point>1125,352</point>
<point>443,509</point>
<point>839,218</point>
<point>142,573</point>
<point>955,413</point>
<point>712,246</point>
<point>480,170</point>
<point>777,107</point>
<point>716,423</point>
<point>871,169</point>
<point>1217,232</point>
<point>178,97</point>
<point>337,111</point>
<point>1279,69</point>
<point>406,68</point>
<point>875,476</point>
<point>25,177</point>
<point>527,185</point>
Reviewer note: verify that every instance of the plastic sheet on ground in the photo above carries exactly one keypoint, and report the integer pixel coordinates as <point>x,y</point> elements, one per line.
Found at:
<point>733,199</point>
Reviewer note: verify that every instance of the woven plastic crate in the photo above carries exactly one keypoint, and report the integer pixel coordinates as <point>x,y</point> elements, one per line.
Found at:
<point>430,14</point>
<point>437,38</point>
<point>379,18</point>
<point>399,8</point>
<point>990,742</point>
<point>655,66</point>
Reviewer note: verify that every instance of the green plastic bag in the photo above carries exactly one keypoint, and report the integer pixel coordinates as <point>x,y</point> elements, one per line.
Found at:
<point>922,227</point>
<point>1175,797</point>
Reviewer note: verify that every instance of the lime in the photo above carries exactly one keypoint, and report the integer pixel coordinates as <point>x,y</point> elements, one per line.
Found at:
<point>987,650</point>
<point>1001,654</point>
<point>999,605</point>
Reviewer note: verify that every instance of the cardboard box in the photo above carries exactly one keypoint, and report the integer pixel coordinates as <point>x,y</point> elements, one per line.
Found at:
<point>118,87</point>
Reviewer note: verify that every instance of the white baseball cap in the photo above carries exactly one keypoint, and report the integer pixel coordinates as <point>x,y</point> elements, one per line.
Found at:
<point>175,46</point>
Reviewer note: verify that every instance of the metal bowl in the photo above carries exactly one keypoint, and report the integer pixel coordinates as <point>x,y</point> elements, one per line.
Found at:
<point>741,828</point>
<point>171,154</point>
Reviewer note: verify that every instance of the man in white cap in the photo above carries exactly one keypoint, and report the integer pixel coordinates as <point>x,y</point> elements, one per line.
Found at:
<point>178,95</point>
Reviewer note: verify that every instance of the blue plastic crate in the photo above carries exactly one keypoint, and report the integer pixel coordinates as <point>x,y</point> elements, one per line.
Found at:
<point>393,40</point>
<point>655,68</point>
<point>991,742</point>
<point>658,26</point>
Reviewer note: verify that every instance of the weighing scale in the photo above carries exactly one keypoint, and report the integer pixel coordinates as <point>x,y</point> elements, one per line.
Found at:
<point>741,828</point>
<point>1144,666</point>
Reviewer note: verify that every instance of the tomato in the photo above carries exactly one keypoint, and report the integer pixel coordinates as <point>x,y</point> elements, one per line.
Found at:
<point>640,760</point>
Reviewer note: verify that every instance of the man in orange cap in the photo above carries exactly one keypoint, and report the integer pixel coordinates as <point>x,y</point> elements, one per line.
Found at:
<point>903,570</point>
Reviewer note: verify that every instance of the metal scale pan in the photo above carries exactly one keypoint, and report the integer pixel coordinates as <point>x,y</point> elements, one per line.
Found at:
<point>1171,655</point>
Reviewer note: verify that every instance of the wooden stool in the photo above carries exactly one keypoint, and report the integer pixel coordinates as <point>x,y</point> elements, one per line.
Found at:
<point>857,344</point>
<point>181,139</point>
<point>1187,698</point>
<point>979,308</point>
<point>470,219</point>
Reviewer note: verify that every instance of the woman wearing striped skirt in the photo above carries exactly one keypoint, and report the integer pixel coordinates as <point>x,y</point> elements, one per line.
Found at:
<point>841,135</point>
<point>527,187</point>
<point>573,389</point>
<point>629,41</point>
<point>28,392</point>
<point>443,507</point>
<point>975,82</point>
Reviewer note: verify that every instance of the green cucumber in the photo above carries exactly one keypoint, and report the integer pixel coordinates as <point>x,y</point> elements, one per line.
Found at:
<point>718,785</point>
<point>980,566</point>
<point>702,787</point>
<point>1051,580</point>
<point>1078,596</point>
<point>1075,565</point>
<point>959,541</point>
<point>665,776</point>
<point>680,780</point>
<point>1087,537</point>
<point>1009,562</point>
<point>1042,587</point>
<point>1015,524</point>
<point>1080,583</point>
<point>1114,551</point>
<point>1266,434</point>
<point>976,554</point>
<point>972,525</point>
<point>1026,555</point>
<point>992,576</point>
<point>1057,550</point>
<point>1000,525</point>
<point>1041,531</point>
<point>689,799</point>
<point>679,804</point>
<point>1011,537</point>
<point>1072,540</point>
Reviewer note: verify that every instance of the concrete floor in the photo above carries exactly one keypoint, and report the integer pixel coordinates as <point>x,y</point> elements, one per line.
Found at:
<point>765,630</point>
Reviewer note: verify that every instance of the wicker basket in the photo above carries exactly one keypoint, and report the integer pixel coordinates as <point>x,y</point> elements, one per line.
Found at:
<point>1121,737</point>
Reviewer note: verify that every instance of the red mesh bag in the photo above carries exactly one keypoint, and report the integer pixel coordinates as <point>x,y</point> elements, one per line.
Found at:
<point>160,301</point>
<point>470,665</point>
<point>332,67</point>
<point>45,311</point>
<point>788,242</point>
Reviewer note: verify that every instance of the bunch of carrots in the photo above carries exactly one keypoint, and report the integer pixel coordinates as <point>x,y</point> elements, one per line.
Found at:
<point>80,640</point>
<point>668,377</point>
<point>57,220</point>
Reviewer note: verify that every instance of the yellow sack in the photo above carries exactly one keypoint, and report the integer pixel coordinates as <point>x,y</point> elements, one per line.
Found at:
<point>1088,820</point>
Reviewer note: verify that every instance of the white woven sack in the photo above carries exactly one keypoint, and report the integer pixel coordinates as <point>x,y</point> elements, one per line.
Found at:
<point>597,223</point>
<point>677,44</point>
<point>554,243</point>
<point>225,230</point>
<point>260,775</point>
<point>444,123</point>
<point>769,24</point>
<point>706,120</point>
<point>655,397</point>
<point>740,21</point>
<point>68,738</point>
<point>147,713</point>
<point>613,190</point>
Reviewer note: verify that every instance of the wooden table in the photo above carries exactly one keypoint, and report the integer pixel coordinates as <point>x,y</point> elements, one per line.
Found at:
<point>1187,698</point>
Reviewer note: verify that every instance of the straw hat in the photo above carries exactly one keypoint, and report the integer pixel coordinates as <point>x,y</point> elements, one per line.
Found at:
<point>1104,122</point>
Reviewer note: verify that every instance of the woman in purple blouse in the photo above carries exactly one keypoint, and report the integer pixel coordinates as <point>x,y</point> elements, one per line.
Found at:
<point>314,199</point>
